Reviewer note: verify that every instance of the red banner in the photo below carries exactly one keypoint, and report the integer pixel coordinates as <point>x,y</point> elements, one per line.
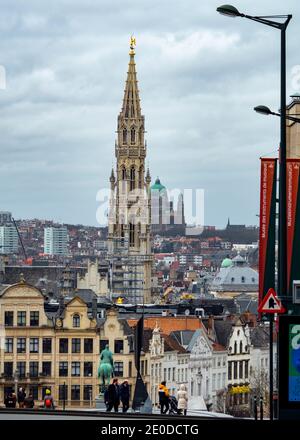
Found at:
<point>267,226</point>
<point>292,184</point>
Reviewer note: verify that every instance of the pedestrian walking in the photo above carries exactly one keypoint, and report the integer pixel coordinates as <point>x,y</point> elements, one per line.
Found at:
<point>164,395</point>
<point>125,395</point>
<point>21,397</point>
<point>113,397</point>
<point>182,397</point>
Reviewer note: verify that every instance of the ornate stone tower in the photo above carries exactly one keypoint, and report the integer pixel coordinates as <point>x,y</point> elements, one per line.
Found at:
<point>129,243</point>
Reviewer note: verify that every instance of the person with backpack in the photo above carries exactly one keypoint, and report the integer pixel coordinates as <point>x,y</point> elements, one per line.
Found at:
<point>48,400</point>
<point>163,394</point>
<point>29,402</point>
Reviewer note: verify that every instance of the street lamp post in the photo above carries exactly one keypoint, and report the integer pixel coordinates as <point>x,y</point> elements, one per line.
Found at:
<point>231,11</point>
<point>279,22</point>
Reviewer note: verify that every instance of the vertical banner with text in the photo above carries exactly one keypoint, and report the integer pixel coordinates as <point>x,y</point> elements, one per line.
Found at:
<point>267,223</point>
<point>292,220</point>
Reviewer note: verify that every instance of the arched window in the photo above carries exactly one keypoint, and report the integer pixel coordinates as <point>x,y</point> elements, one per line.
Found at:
<point>132,178</point>
<point>243,279</point>
<point>132,136</point>
<point>124,136</point>
<point>253,280</point>
<point>232,279</point>
<point>131,234</point>
<point>241,347</point>
<point>235,348</point>
<point>76,321</point>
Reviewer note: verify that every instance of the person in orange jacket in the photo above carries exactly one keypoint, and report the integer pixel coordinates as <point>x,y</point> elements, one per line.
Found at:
<point>163,394</point>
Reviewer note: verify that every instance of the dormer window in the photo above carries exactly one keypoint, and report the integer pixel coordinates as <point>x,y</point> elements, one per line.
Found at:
<point>76,321</point>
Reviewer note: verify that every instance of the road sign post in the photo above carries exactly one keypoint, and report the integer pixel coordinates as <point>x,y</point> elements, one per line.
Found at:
<point>270,305</point>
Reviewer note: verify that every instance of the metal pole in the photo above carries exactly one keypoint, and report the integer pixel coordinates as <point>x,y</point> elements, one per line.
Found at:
<point>255,407</point>
<point>282,227</point>
<point>261,408</point>
<point>64,399</point>
<point>271,318</point>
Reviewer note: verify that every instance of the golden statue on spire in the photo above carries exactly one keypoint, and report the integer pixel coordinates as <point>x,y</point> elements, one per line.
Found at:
<point>132,45</point>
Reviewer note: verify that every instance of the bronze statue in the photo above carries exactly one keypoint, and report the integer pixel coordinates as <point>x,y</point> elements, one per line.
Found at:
<point>106,367</point>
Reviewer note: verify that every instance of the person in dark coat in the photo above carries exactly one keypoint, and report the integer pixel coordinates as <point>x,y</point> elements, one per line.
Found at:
<point>21,397</point>
<point>125,395</point>
<point>113,395</point>
<point>29,402</point>
<point>10,400</point>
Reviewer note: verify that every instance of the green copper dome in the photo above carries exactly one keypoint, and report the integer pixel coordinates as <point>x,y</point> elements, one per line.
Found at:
<point>157,185</point>
<point>226,262</point>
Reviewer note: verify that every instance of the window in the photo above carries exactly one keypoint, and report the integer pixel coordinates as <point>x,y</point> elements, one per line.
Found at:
<point>232,279</point>
<point>219,362</point>
<point>76,345</point>
<point>75,392</point>
<point>119,345</point>
<point>253,280</point>
<point>34,319</point>
<point>118,369</point>
<point>63,369</point>
<point>87,392</point>
<point>21,345</point>
<point>130,369</point>
<point>243,279</point>
<point>235,347</point>
<point>9,345</point>
<point>21,319</point>
<point>235,370</point>
<point>165,374</point>
<point>241,370</point>
<point>103,344</point>
<point>34,345</point>
<point>9,319</point>
<point>63,345</point>
<point>8,369</point>
<point>131,234</point>
<point>88,345</point>
<point>34,390</point>
<point>46,368</point>
<point>124,136</point>
<point>241,347</point>
<point>21,367</point>
<point>47,345</point>
<point>88,369</point>
<point>132,178</point>
<point>141,175</point>
<point>146,367</point>
<point>76,321</point>
<point>75,369</point>
<point>246,369</point>
<point>174,374</point>
<point>33,369</point>
<point>63,392</point>
<point>132,135</point>
<point>219,381</point>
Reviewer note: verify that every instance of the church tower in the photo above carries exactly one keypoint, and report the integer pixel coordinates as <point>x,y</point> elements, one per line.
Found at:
<point>129,228</point>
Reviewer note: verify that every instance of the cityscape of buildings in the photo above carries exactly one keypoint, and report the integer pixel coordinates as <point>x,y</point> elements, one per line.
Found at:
<point>67,291</point>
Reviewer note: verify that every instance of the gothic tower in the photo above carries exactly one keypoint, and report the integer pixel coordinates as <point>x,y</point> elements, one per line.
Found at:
<point>129,229</point>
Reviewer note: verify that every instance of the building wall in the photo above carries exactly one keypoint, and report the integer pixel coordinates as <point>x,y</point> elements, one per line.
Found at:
<point>26,298</point>
<point>9,240</point>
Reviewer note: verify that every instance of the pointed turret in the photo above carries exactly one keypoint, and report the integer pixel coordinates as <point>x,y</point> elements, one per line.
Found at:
<point>131,103</point>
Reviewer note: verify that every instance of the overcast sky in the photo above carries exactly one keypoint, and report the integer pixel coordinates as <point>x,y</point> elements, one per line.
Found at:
<point>200,75</point>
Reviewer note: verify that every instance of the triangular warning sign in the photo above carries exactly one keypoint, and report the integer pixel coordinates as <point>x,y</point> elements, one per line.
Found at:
<point>271,303</point>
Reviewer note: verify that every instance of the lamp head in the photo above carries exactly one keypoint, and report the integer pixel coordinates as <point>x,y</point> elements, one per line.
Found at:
<point>229,11</point>
<point>263,110</point>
